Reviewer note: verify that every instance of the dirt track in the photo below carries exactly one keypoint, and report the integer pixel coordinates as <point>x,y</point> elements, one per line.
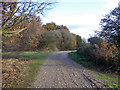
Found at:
<point>59,71</point>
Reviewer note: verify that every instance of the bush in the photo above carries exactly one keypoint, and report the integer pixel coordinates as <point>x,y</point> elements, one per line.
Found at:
<point>110,54</point>
<point>107,55</point>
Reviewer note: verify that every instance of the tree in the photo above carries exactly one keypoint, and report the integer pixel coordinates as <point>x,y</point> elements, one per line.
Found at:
<point>95,40</point>
<point>68,41</point>
<point>51,26</point>
<point>16,14</point>
<point>26,40</point>
<point>110,26</point>
<point>78,41</point>
<point>47,41</point>
<point>64,27</point>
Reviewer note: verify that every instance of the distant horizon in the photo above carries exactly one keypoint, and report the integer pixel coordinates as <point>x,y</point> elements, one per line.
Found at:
<point>80,17</point>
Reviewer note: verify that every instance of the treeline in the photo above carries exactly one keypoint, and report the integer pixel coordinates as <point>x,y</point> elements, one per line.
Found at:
<point>22,29</point>
<point>38,37</point>
<point>104,49</point>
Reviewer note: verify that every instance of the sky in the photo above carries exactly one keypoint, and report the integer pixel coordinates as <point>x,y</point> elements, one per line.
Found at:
<point>82,17</point>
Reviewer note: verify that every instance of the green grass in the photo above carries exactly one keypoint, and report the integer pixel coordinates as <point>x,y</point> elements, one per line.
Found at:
<point>37,60</point>
<point>27,55</point>
<point>78,59</point>
<point>112,80</point>
<point>105,77</point>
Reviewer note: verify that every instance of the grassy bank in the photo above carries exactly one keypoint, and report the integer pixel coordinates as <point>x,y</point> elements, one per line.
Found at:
<point>111,80</point>
<point>20,68</point>
<point>78,59</point>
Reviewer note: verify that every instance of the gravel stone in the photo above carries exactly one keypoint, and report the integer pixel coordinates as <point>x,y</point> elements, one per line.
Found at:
<point>59,71</point>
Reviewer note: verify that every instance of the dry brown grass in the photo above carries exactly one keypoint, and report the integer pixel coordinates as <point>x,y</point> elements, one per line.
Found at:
<point>12,71</point>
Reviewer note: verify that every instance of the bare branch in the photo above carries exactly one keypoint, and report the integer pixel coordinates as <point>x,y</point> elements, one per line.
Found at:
<point>20,13</point>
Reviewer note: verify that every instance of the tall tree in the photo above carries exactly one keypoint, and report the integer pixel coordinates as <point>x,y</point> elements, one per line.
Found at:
<point>50,26</point>
<point>78,41</point>
<point>54,26</point>
<point>95,40</point>
<point>110,26</point>
<point>26,40</point>
<point>16,14</point>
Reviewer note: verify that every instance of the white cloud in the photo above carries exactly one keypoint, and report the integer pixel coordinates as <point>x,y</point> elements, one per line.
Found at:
<point>75,20</point>
<point>111,4</point>
<point>78,1</point>
<point>90,20</point>
<point>84,32</point>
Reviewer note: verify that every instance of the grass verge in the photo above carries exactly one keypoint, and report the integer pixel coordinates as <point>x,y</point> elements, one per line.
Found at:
<point>23,67</point>
<point>112,81</point>
<point>83,61</point>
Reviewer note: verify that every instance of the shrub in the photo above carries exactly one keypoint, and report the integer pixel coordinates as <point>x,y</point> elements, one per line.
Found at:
<point>110,54</point>
<point>107,55</point>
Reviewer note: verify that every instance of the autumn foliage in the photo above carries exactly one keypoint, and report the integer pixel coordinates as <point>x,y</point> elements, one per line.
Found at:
<point>38,37</point>
<point>17,16</point>
<point>106,55</point>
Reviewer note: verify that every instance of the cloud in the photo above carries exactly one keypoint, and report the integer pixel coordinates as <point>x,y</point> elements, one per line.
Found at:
<point>84,32</point>
<point>77,26</point>
<point>75,20</point>
<point>111,4</point>
<point>83,23</point>
<point>79,1</point>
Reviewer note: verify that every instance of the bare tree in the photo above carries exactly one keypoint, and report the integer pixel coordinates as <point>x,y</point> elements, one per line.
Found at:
<point>16,16</point>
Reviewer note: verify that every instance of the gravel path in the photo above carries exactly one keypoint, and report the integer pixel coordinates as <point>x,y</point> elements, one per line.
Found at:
<point>59,71</point>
